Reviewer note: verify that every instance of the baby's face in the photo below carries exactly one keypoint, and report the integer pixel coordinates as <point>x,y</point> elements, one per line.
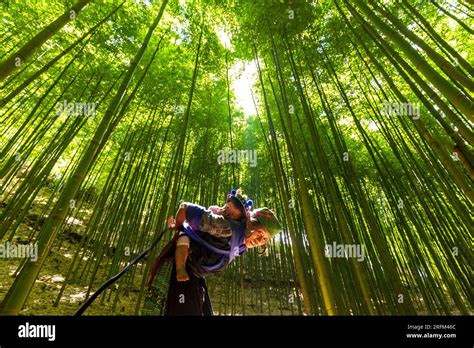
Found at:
<point>230,211</point>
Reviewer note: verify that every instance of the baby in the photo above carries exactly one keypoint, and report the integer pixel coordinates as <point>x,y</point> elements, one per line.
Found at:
<point>214,220</point>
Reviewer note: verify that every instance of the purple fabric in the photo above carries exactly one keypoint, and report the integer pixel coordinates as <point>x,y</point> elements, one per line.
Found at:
<point>237,247</point>
<point>193,214</point>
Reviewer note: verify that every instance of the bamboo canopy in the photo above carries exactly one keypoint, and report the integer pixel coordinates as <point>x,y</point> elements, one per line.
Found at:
<point>352,120</point>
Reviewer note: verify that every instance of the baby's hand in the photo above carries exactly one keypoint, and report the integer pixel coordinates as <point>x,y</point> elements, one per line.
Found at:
<point>171,222</point>
<point>215,209</point>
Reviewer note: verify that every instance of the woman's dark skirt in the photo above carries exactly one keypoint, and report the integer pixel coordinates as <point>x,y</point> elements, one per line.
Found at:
<point>166,296</point>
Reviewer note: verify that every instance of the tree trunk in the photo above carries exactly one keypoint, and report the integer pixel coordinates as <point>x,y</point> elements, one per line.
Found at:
<point>23,54</point>
<point>18,293</point>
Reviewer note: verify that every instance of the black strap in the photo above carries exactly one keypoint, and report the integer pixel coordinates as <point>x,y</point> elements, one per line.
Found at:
<point>116,277</point>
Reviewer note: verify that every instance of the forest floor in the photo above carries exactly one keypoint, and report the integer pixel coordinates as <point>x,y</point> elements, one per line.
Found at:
<point>46,289</point>
<point>43,297</point>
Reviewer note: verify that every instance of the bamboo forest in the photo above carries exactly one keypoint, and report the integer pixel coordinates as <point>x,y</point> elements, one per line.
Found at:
<point>351,121</point>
